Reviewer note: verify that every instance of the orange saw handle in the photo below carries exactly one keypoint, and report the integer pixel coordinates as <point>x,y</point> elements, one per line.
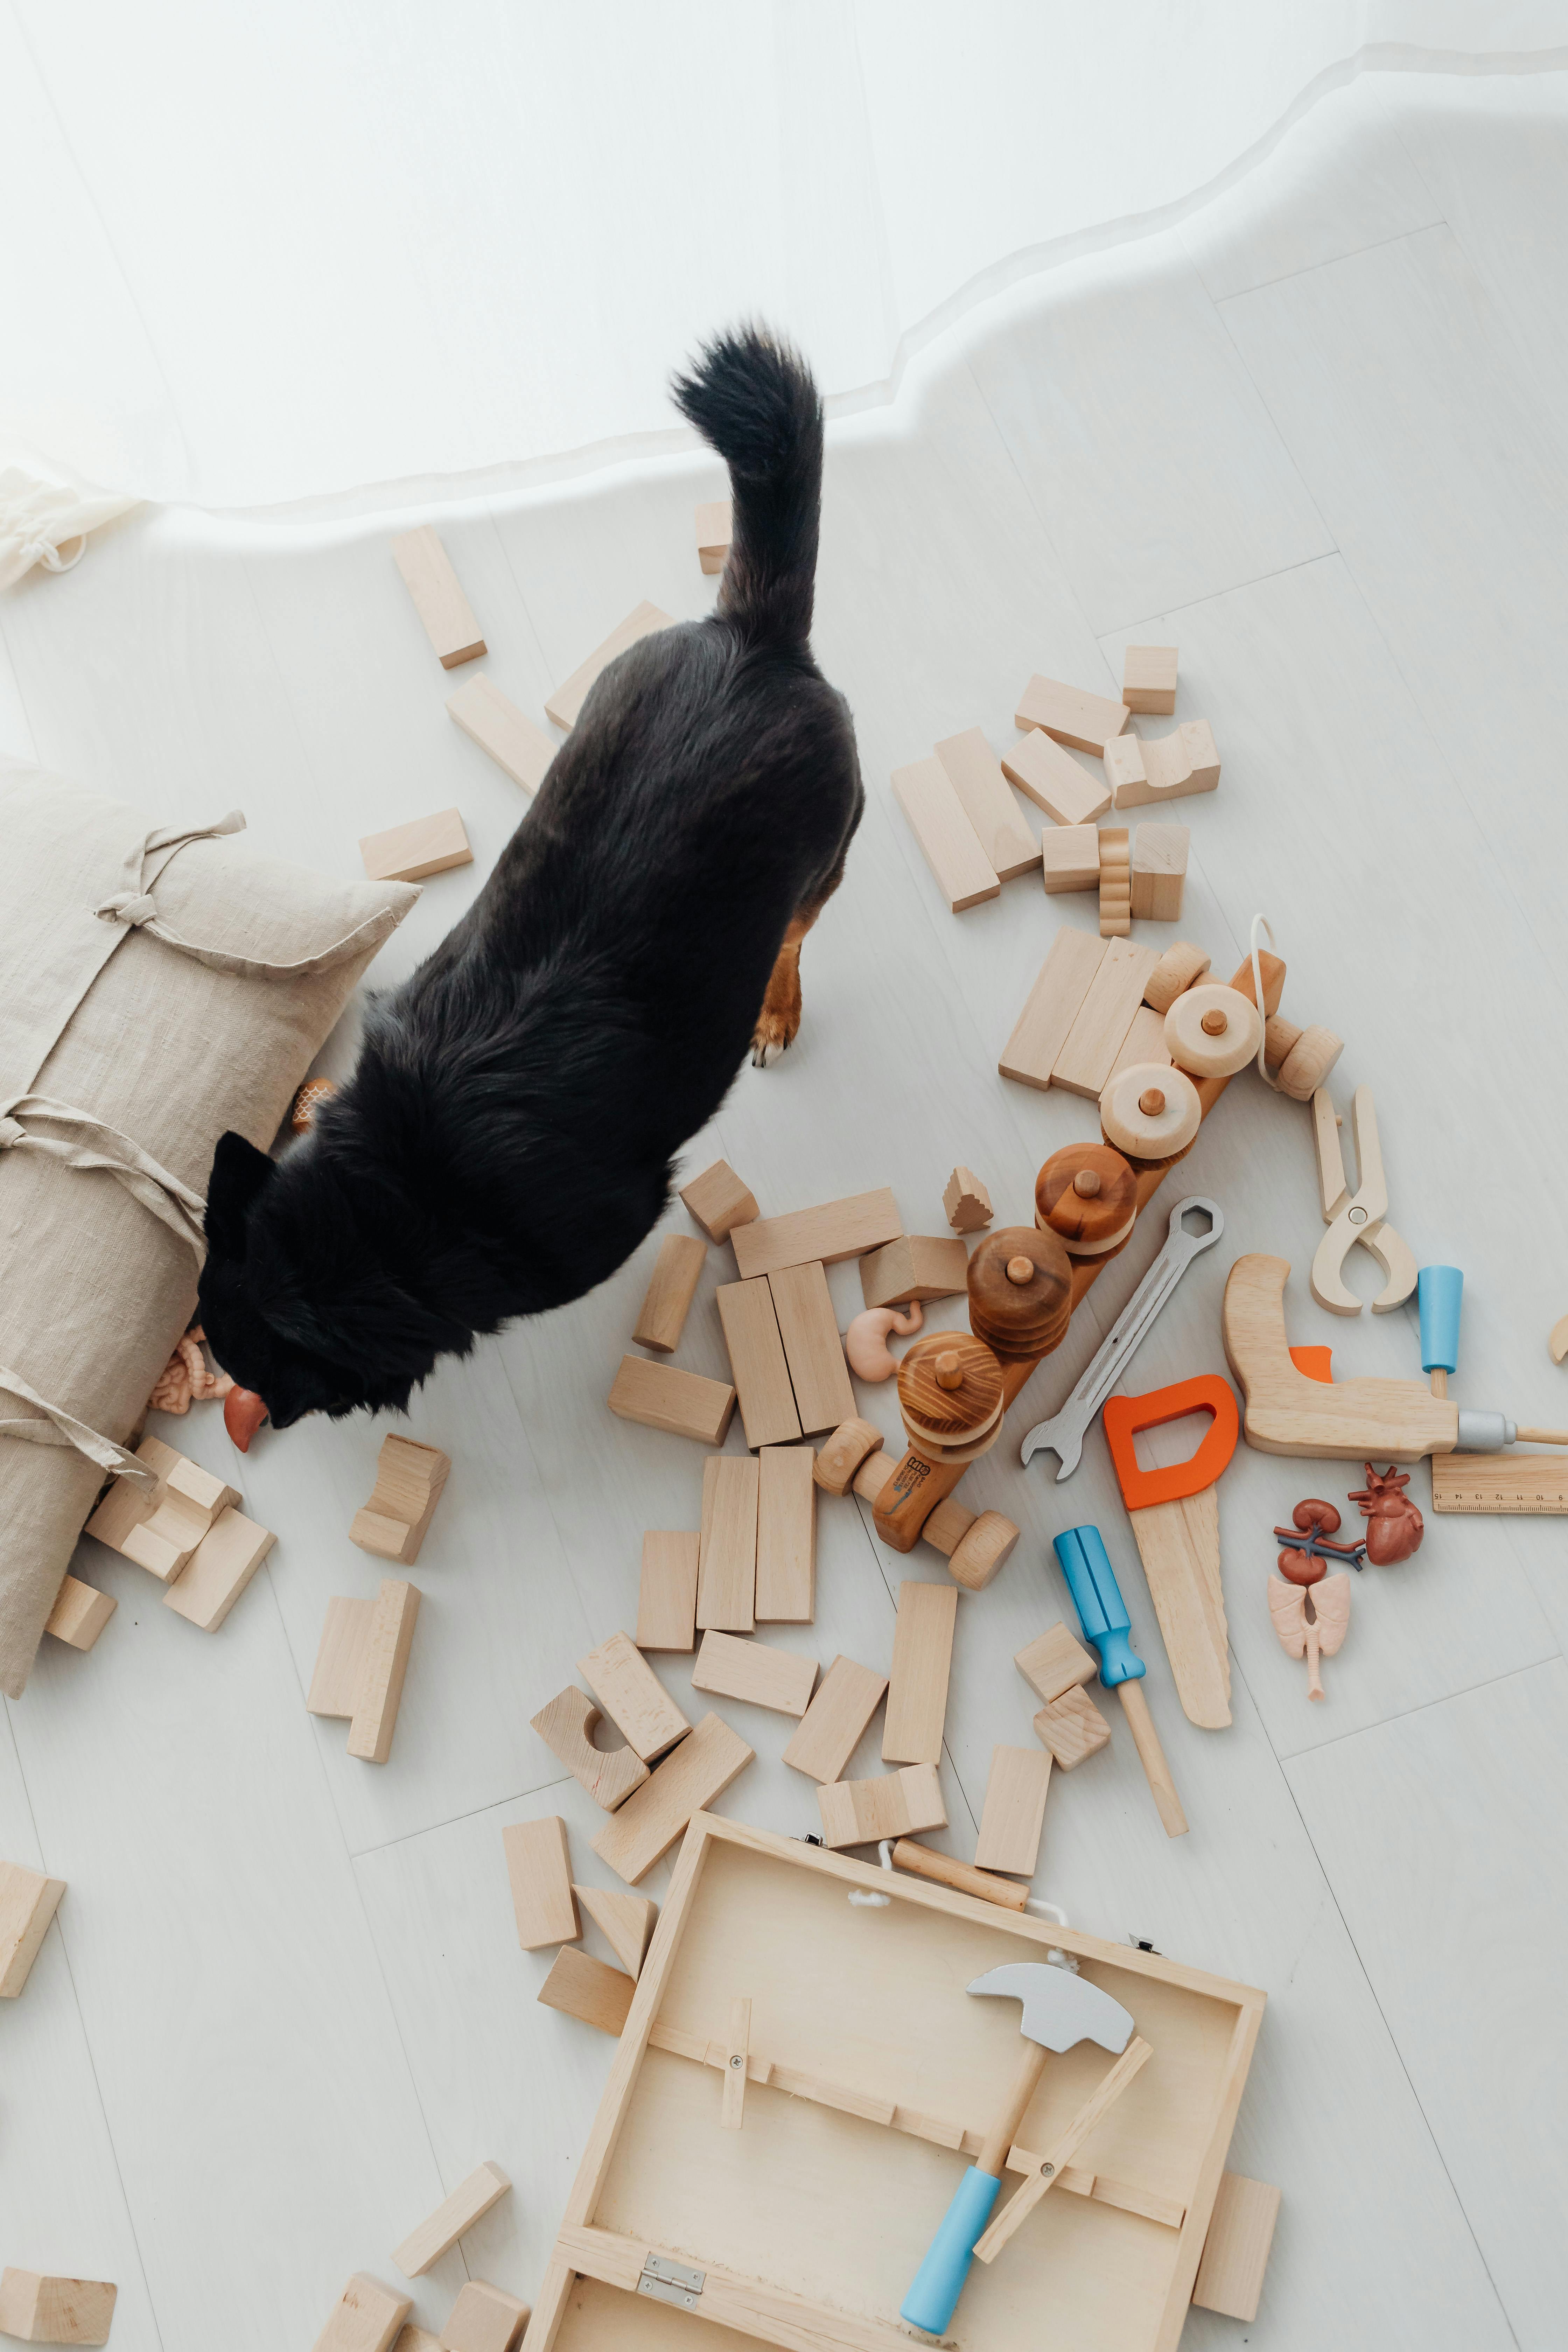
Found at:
<point>1124,1416</point>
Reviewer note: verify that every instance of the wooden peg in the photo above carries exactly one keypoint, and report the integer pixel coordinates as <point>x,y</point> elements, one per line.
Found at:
<point>923,1862</point>
<point>733,2110</point>
<point>1152,1755</point>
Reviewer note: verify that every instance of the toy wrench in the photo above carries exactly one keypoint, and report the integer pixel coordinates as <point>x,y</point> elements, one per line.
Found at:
<point>1067,1429</point>
<point>1361,1219</point>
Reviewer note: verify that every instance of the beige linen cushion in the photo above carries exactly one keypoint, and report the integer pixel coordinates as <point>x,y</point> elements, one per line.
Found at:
<point>156,987</point>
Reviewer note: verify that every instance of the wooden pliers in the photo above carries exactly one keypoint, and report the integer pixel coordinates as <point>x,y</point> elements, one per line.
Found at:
<point>1362,1218</point>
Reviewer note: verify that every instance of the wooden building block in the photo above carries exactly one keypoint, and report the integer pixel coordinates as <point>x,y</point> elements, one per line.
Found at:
<point>832,1231</point>
<point>468,2202</point>
<point>834,1723</point>
<point>860,1813</point>
<point>757,1362</point>
<point>1053,1005</point>
<point>667,1594</point>
<point>974,772</point>
<point>415,2338</point>
<point>126,1506</point>
<point>80,1613</point>
<point>28,1901</point>
<point>407,853</point>
<point>585,1988</point>
<point>1015,1812</point>
<point>339,1658</point>
<point>626,1922</point>
<point>538,1867</point>
<point>219,1571</point>
<point>967,1201</point>
<point>573,692</point>
<point>1144,1042</point>
<point>813,1348</point>
<point>1148,679</point>
<point>1072,1727</point>
<point>786,1535</point>
<point>1144,771</point>
<point>1115,882</point>
<point>1104,1017</point>
<point>715,527</point>
<point>1053,779</point>
<point>40,2310</point>
<point>1069,854</point>
<point>633,1696</point>
<point>409,1478</point>
<point>566,1727</point>
<point>963,872</point>
<point>1199,754</point>
<point>917,1265</point>
<point>916,1687</point>
<point>520,748</point>
<point>1236,2250</point>
<point>379,1694</point>
<point>727,1554</point>
<point>648,1823</point>
<point>366,2318</point>
<point>1054,1661</point>
<point>682,1403</point>
<point>718,1201</point>
<point>838,1461</point>
<point>1070,715</point>
<point>750,1671</point>
<point>677,1271</point>
<point>439,598</point>
<point>188,1500</point>
<point>484,2318</point>
<point>1159,871</point>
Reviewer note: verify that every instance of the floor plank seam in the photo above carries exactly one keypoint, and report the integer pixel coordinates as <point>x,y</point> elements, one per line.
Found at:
<point>451,1820</point>
<point>1422,1706</point>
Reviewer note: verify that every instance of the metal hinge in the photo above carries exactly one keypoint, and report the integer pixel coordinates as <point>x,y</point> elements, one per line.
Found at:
<point>669,2282</point>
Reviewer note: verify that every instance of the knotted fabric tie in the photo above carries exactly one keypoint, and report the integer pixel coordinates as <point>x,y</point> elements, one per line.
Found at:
<point>89,1143</point>
<point>136,910</point>
<point>62,1428</point>
<point>129,907</point>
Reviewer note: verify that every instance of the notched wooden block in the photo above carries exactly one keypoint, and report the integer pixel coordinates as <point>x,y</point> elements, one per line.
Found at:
<point>219,1571</point>
<point>409,1479</point>
<point>362,1664</point>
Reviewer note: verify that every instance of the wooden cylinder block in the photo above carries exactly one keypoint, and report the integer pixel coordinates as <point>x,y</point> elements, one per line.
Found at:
<point>982,1549</point>
<point>950,1394</point>
<point>1020,1318</point>
<point>1148,1136</point>
<point>1175,972</point>
<point>1306,1065</point>
<point>1086,1193</point>
<point>1212,1032</point>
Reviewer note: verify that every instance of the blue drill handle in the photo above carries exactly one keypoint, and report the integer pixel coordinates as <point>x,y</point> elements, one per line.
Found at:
<point>939,2282</point>
<point>1439,1292</point>
<point>1096,1597</point>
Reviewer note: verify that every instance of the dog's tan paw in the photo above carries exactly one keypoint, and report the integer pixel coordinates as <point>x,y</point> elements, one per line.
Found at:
<point>778,1023</point>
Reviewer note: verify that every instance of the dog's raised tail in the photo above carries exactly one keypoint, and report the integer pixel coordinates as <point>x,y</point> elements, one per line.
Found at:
<point>754,397</point>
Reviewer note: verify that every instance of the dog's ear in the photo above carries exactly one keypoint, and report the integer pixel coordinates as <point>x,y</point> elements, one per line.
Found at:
<point>240,1174</point>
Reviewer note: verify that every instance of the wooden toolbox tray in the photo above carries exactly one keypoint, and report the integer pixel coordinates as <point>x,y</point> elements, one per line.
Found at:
<point>871,2078</point>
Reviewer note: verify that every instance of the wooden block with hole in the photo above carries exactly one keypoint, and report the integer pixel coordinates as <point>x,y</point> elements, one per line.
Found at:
<point>922,1662</point>
<point>566,1727</point>
<point>967,1201</point>
<point>28,1901</point>
<point>1072,1727</point>
<point>754,1672</point>
<point>1236,2250</point>
<point>917,1265</point>
<point>626,1922</point>
<point>1014,1814</point>
<point>366,2317</point>
<point>409,853</point>
<point>80,1613</point>
<point>651,1819</point>
<point>468,2202</point>
<point>409,1479</point>
<point>715,525</point>
<point>677,1271</point>
<point>633,1696</point>
<point>974,772</point>
<point>813,1351</point>
<point>569,697</point>
<point>787,1536</point>
<point>834,1229</point>
<point>834,1723</point>
<point>898,1805</point>
<point>718,1201</point>
<point>1053,1005</point>
<point>1103,1019</point>
<point>484,2318</point>
<point>667,1594</point>
<point>506,734</point>
<point>1071,715</point>
<point>683,1404</point>
<point>583,1987</point>
<point>727,1555</point>
<point>1053,779</point>
<point>438,597</point>
<point>539,1868</point>
<point>37,2309</point>
<point>949,843</point>
<point>219,1571</point>
<point>1148,679</point>
<point>1159,871</point>
<point>1070,858</point>
<point>1054,1662</point>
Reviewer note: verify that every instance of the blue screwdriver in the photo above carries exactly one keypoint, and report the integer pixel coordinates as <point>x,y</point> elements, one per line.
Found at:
<point>1102,1613</point>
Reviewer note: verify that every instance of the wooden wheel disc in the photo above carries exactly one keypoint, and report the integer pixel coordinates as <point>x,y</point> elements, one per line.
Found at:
<point>1149,1135</point>
<point>943,1455</point>
<point>1306,1065</point>
<point>941,1415</point>
<point>1230,1039</point>
<point>1020,1318</point>
<point>1088,1223</point>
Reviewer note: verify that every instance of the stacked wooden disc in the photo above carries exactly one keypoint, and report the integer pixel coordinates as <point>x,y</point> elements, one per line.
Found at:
<point>1150,1113</point>
<point>1088,1195</point>
<point>1020,1291</point>
<point>950,1394</point>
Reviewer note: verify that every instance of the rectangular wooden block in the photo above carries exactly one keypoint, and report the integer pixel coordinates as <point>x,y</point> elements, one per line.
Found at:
<point>484,2318</point>
<point>1104,1017</point>
<point>974,772</point>
<point>667,1594</point>
<point>922,1660</point>
<point>715,526</point>
<point>588,1989</point>
<point>1236,2250</point>
<point>366,2318</point>
<point>677,1271</point>
<point>538,1866</point>
<point>219,1571</point>
<point>750,1671</point>
<point>1069,854</point>
<point>385,1663</point>
<point>1072,1727</point>
<point>813,1348</point>
<point>860,1813</point>
<point>1071,715</point>
<point>1054,1662</point>
<point>727,1555</point>
<point>786,1535</point>
<point>570,695</point>
<point>654,1815</point>
<point>1159,871</point>
<point>718,1201</point>
<point>40,2310</point>
<point>832,1231</point>
<point>633,1696</point>
<point>520,748</point>
<point>340,1659</point>
<point>963,872</point>
<point>1145,1041</point>
<point>1148,679</point>
<point>439,598</point>
<point>28,1901</point>
<point>758,1362</point>
<point>80,1613</point>
<point>682,1403</point>
<point>1015,1812</point>
<point>409,852</point>
<point>1053,779</point>
<point>917,1265</point>
<point>1053,1005</point>
<point>468,2202</point>
<point>834,1723</point>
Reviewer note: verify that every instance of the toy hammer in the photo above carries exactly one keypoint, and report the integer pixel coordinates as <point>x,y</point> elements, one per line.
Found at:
<point>1060,2009</point>
<point>1102,1613</point>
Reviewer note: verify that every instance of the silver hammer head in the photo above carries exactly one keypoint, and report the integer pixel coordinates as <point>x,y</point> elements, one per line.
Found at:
<point>1059,2008</point>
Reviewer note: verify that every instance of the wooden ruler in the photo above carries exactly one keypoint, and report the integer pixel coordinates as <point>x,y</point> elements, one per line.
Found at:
<point>1520,1483</point>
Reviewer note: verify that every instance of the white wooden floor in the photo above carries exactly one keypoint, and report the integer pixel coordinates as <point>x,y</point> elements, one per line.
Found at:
<point>1317,439</point>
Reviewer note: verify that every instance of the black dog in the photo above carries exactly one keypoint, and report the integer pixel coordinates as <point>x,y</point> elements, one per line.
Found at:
<point>506,1141</point>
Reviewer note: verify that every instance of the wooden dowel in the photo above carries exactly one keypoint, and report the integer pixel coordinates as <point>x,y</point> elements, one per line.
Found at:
<point>1546,1436</point>
<point>1152,1755</point>
<point>1439,1381</point>
<point>961,1876</point>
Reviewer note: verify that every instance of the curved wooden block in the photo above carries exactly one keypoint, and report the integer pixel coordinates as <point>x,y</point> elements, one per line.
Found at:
<point>1287,1414</point>
<point>608,1774</point>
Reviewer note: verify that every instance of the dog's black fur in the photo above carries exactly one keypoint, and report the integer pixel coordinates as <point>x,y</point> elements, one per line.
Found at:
<point>507,1138</point>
